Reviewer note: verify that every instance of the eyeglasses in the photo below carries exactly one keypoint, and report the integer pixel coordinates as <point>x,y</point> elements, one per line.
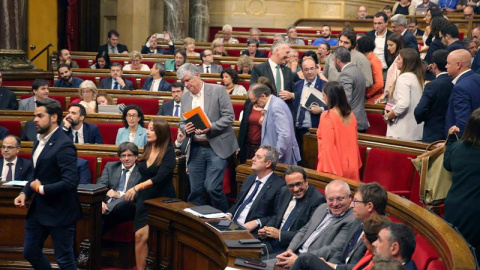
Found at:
<point>132,115</point>
<point>127,156</point>
<point>338,199</point>
<point>9,147</point>
<point>297,184</point>
<point>355,202</point>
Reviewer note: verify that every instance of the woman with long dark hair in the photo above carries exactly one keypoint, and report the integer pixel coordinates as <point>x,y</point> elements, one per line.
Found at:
<point>156,169</point>
<point>102,61</point>
<point>395,43</point>
<point>337,135</point>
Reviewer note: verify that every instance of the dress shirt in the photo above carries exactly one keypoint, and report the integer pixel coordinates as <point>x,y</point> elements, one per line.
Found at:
<point>207,68</point>
<point>273,66</point>
<point>459,75</point>
<point>179,108</point>
<point>290,207</point>
<point>155,84</point>
<point>379,50</point>
<point>81,138</point>
<point>198,100</point>
<point>127,177</point>
<point>5,168</point>
<point>243,215</point>
<point>41,144</point>
<point>307,121</point>
<point>113,84</point>
<point>112,49</point>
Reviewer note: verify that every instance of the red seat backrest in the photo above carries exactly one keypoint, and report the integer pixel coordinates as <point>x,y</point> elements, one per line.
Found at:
<point>173,133</point>
<point>148,106</point>
<point>60,99</point>
<point>105,160</point>
<point>92,166</point>
<point>25,155</point>
<point>74,100</point>
<point>424,253</point>
<point>245,84</point>
<point>83,63</point>
<point>377,124</point>
<point>13,127</point>
<point>108,131</point>
<point>234,52</point>
<point>237,109</point>
<point>382,166</point>
<point>436,265</point>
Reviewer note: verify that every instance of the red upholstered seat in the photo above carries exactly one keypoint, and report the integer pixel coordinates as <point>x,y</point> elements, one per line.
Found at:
<point>25,155</point>
<point>123,232</point>
<point>74,100</point>
<point>92,166</point>
<point>60,99</point>
<point>234,52</point>
<point>377,124</point>
<point>13,127</point>
<point>237,109</point>
<point>173,133</point>
<point>83,63</point>
<point>148,106</point>
<point>393,170</point>
<point>436,265</point>
<point>169,80</point>
<point>245,84</point>
<point>415,196</point>
<point>105,160</point>
<point>108,131</point>
<point>424,254</point>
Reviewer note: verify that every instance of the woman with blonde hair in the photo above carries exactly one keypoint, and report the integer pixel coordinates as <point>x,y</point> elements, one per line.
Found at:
<point>88,94</point>
<point>244,65</point>
<point>189,45</point>
<point>136,62</point>
<point>217,48</point>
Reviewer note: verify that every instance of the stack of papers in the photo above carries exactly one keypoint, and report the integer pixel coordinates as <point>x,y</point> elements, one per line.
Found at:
<point>205,211</point>
<point>16,183</point>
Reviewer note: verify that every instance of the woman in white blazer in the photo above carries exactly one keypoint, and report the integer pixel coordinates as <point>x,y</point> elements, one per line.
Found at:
<point>133,119</point>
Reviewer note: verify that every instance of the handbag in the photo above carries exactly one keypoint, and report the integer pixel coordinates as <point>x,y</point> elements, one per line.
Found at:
<point>435,180</point>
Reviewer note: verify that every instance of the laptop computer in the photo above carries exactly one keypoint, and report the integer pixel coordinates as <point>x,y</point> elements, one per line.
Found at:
<point>108,109</point>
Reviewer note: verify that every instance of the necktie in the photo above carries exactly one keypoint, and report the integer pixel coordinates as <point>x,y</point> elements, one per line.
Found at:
<point>278,80</point>
<point>115,85</point>
<point>303,111</point>
<point>123,179</point>
<point>288,223</point>
<point>351,244</point>
<point>76,137</point>
<point>207,67</point>
<point>114,49</point>
<point>9,173</point>
<point>247,200</point>
<point>177,107</point>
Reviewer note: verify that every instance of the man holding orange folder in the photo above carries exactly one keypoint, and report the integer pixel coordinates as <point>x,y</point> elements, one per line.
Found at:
<point>211,138</point>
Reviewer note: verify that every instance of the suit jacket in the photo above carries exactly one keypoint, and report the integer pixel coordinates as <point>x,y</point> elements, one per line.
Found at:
<point>258,54</point>
<point>353,82</point>
<point>476,63</point>
<point>3,132</point>
<point>315,118</point>
<point>265,70</point>
<point>357,252</point>
<point>84,171</point>
<point>432,107</point>
<point>23,169</point>
<point>91,133</point>
<point>419,32</point>
<point>465,98</point>
<point>8,101</point>
<point>218,108</point>
<point>140,139</point>
<point>111,176</point>
<point>167,108</point>
<point>410,40</point>
<point>164,86</point>
<point>277,130</point>
<point>410,265</point>
<point>457,45</point>
<point>120,47</point>
<point>330,241</point>
<point>263,207</point>
<point>146,50</point>
<point>107,84</point>
<point>371,34</point>
<point>57,171</point>
<point>213,68</point>
<point>29,132</point>
<point>306,206</point>
<point>27,104</point>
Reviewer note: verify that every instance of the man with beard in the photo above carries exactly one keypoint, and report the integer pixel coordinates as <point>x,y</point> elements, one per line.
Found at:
<point>173,107</point>
<point>66,77</point>
<point>326,31</point>
<point>64,57</point>
<point>55,207</point>
<point>77,130</point>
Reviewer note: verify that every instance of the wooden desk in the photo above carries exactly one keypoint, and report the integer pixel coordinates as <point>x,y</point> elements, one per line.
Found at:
<point>87,236</point>
<point>179,240</point>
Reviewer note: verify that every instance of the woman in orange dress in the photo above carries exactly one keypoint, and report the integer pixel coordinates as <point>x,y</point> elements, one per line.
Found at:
<point>337,135</point>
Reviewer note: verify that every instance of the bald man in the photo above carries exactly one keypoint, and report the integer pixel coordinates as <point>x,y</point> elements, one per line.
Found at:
<point>465,97</point>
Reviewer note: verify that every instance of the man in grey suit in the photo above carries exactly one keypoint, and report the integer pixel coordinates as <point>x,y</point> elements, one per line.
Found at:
<point>118,177</point>
<point>210,147</point>
<point>277,127</point>
<point>354,84</point>
<point>326,232</point>
<point>40,92</point>
<point>116,81</point>
<point>207,63</point>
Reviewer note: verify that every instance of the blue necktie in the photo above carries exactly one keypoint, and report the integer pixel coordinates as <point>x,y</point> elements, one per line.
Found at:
<point>303,111</point>
<point>351,244</point>
<point>177,107</point>
<point>288,223</point>
<point>247,200</point>
<point>115,85</point>
<point>123,179</point>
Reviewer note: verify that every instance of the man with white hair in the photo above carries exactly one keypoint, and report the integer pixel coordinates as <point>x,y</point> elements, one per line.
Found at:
<point>399,25</point>
<point>227,35</point>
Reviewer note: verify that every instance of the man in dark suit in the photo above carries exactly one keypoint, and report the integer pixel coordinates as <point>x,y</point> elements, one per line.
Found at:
<point>274,69</point>
<point>369,200</point>
<point>380,34</point>
<point>116,81</point>
<point>150,46</point>
<point>13,167</point>
<point>84,175</point>
<point>174,106</point>
<point>399,25</point>
<point>156,82</point>
<point>55,207</point>
<point>112,46</point>
<point>449,35</point>
<point>306,118</point>
<point>207,63</point>
<point>118,177</point>
<point>252,49</point>
<point>354,85</point>
<point>465,97</point>
<point>8,101</point>
<point>77,130</point>
<point>413,27</point>
<point>326,232</point>
<point>296,204</point>
<point>255,204</point>
<point>434,102</point>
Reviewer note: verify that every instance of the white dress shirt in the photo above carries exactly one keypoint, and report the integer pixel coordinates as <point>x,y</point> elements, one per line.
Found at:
<point>243,215</point>
<point>155,84</point>
<point>81,138</point>
<point>5,168</point>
